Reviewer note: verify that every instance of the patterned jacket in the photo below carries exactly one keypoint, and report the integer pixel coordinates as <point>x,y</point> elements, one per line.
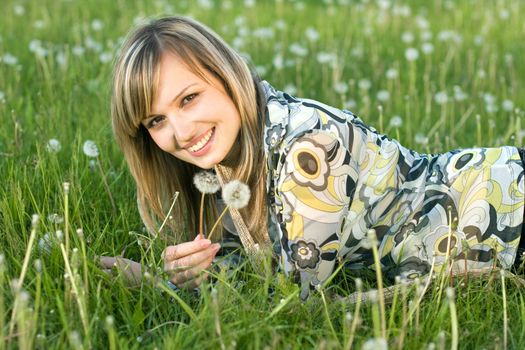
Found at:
<point>331,178</point>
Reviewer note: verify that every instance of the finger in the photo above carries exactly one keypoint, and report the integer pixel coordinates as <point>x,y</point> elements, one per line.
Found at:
<point>194,283</point>
<point>192,273</point>
<point>106,262</point>
<point>184,249</point>
<point>192,260</point>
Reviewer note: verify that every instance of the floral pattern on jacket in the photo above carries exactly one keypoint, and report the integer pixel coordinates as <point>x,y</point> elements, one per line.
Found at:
<point>331,178</point>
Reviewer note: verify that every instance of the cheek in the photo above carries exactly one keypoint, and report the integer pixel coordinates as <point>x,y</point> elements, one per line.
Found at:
<point>162,140</point>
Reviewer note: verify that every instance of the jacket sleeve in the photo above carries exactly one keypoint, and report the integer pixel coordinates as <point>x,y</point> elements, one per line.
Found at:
<point>313,191</point>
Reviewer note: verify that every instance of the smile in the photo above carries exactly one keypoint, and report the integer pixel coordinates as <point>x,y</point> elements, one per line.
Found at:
<point>202,142</point>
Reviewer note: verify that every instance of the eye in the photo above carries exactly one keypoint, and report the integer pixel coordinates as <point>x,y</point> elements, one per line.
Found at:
<point>154,121</point>
<point>188,99</point>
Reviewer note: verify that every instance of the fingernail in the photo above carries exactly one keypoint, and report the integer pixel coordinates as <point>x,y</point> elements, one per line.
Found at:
<point>205,242</point>
<point>217,246</point>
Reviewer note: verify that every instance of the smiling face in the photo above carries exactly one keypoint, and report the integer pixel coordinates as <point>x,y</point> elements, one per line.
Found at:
<point>192,118</point>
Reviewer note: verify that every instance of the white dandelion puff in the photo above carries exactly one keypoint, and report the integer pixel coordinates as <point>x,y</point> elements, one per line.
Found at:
<point>411,54</point>
<point>427,48</point>
<point>290,89</point>
<point>375,344</point>
<point>236,194</point>
<point>97,24</point>
<point>90,149</point>
<point>383,95</point>
<point>55,218</point>
<point>396,122</point>
<point>507,105</point>
<point>341,87</point>
<point>312,34</point>
<point>391,73</point>
<point>298,50</point>
<point>326,57</point>
<point>407,37</point>
<point>9,59</point>
<point>459,94</point>
<point>421,139</point>
<point>441,97</point>
<point>364,84</point>
<point>206,182</point>
<point>53,146</point>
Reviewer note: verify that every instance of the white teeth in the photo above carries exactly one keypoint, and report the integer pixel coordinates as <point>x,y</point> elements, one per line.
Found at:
<point>196,147</point>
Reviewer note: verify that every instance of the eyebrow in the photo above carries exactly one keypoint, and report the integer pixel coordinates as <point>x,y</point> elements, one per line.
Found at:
<point>174,99</point>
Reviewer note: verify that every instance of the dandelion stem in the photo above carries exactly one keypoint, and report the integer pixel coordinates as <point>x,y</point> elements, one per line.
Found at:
<point>23,274</point>
<point>217,222</point>
<point>169,211</point>
<point>381,295</point>
<point>327,314</point>
<point>106,185</point>
<point>81,306</point>
<point>201,217</point>
<point>355,320</point>
<point>453,321</point>
<point>505,319</point>
<point>66,214</point>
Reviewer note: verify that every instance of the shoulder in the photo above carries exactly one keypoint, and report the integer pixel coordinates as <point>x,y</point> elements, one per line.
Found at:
<point>289,118</point>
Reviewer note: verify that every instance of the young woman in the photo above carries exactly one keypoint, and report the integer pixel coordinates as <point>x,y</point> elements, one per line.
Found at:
<point>320,178</point>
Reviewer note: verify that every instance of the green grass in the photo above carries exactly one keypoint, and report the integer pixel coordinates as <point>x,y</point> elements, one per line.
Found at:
<point>65,96</point>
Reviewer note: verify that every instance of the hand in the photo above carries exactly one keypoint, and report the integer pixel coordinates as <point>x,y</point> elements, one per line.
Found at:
<point>185,262</point>
<point>130,270</point>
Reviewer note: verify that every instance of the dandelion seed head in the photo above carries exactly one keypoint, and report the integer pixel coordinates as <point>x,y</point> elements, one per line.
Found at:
<point>24,296</point>
<point>411,54</point>
<point>350,104</point>
<point>427,48</point>
<point>19,10</point>
<point>326,57</point>
<point>364,84</point>
<point>375,344</point>
<point>9,59</point>
<point>312,34</point>
<point>407,37</point>
<point>391,73</point>
<point>59,235</point>
<point>90,149</point>
<point>110,321</point>
<point>421,139</point>
<point>206,182</point>
<point>298,50</point>
<point>507,105</point>
<point>383,95</point>
<point>374,295</point>
<point>38,265</point>
<point>341,87</point>
<point>97,24</point>
<point>450,293</point>
<point>53,146</point>
<point>15,285</point>
<point>55,218</point>
<point>349,317</point>
<point>441,97</point>
<point>396,121</point>
<point>358,283</point>
<point>236,194</point>
<point>290,89</point>
<point>66,186</point>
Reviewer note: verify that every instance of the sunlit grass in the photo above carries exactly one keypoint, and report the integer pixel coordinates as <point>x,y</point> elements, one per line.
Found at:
<point>435,75</point>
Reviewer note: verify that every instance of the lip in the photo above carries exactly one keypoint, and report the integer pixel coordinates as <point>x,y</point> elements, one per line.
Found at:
<point>205,148</point>
<point>196,139</point>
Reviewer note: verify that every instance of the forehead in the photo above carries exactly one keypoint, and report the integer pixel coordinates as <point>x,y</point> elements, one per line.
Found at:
<point>174,74</point>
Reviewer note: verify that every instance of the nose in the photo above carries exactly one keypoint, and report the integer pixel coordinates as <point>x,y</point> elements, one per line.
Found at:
<point>183,129</point>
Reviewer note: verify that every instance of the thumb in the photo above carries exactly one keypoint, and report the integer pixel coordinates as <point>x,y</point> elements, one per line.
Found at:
<point>198,237</point>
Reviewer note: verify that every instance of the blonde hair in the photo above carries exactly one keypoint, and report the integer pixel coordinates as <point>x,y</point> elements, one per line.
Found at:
<point>158,175</point>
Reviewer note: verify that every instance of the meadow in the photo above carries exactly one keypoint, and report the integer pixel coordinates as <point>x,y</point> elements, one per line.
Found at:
<point>435,75</point>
